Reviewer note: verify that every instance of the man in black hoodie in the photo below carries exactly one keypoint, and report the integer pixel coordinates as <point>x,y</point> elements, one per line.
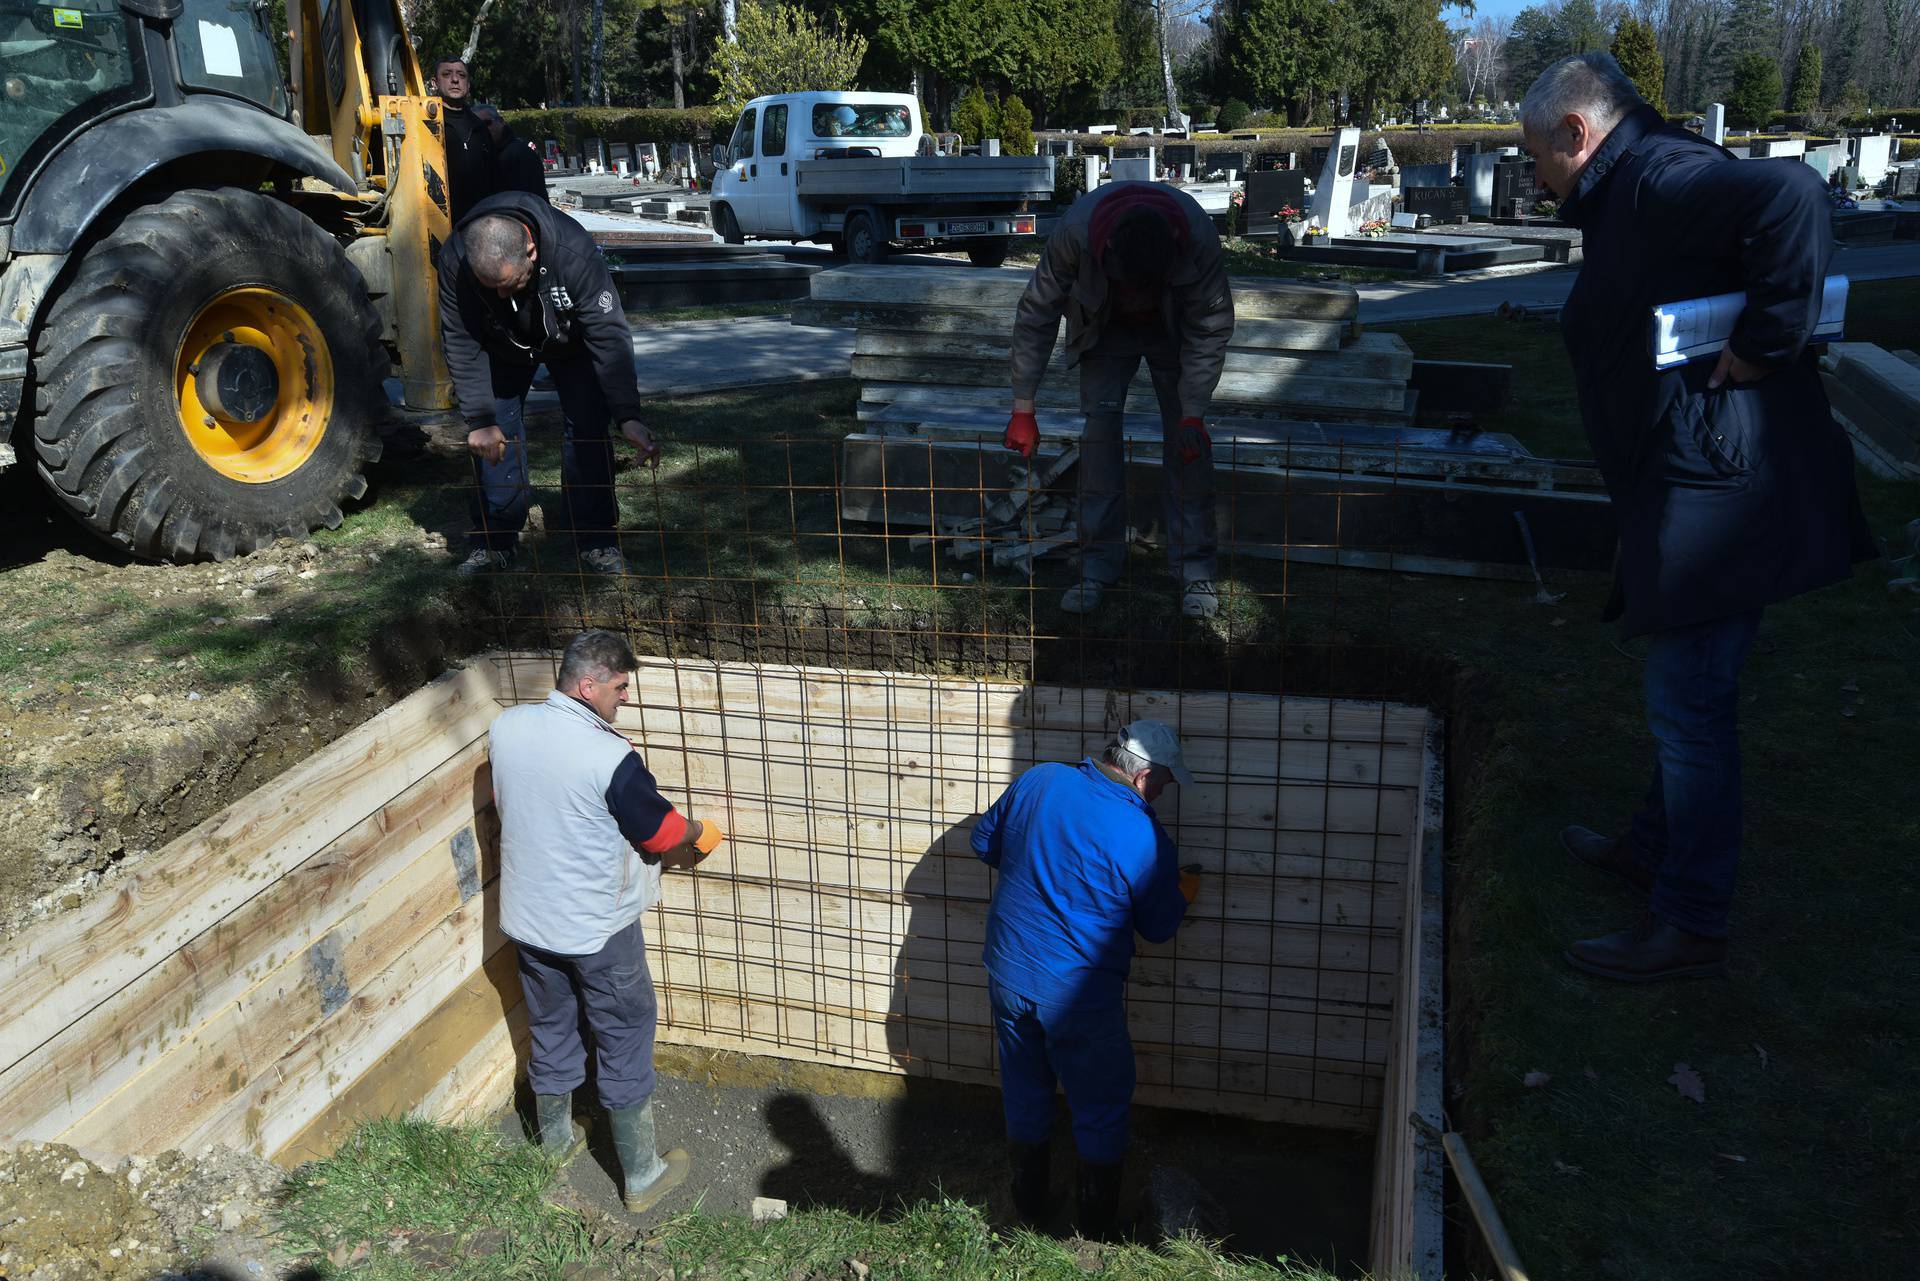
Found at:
<point>484,157</point>
<point>521,285</point>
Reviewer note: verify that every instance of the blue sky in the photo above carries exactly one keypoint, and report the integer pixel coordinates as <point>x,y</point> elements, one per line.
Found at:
<point>1487,8</point>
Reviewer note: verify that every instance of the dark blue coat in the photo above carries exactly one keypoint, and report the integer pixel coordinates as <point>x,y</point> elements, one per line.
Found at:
<point>1726,500</point>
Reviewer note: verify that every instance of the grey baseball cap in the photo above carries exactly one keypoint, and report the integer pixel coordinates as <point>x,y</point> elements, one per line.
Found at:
<point>1155,741</point>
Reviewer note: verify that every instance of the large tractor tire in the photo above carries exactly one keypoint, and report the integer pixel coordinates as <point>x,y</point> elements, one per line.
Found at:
<point>210,379</point>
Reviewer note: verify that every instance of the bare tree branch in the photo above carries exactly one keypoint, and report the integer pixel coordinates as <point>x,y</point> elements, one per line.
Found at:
<point>473,36</point>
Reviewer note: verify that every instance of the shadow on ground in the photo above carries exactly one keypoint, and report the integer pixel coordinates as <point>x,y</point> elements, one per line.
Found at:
<point>1273,1190</point>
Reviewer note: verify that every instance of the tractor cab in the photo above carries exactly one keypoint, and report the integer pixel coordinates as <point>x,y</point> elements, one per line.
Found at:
<point>69,64</point>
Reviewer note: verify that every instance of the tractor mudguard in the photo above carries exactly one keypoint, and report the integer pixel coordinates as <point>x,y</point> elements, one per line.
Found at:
<point>96,168</point>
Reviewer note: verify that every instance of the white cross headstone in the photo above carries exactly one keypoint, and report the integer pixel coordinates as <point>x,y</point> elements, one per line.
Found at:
<point>1333,193</point>
<point>1716,130</point>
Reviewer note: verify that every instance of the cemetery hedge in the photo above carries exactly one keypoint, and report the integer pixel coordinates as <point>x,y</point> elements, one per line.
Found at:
<point>696,125</point>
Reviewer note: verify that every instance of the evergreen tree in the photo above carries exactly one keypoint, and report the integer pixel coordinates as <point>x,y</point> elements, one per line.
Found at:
<point>1016,128</point>
<point>1534,44</point>
<point>1637,51</point>
<point>975,117</point>
<point>779,48</point>
<point>1805,95</point>
<point>1287,52</point>
<point>1756,89</point>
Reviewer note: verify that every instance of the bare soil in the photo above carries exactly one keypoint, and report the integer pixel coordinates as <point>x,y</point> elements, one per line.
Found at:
<point>137,700</point>
<point>64,1217</point>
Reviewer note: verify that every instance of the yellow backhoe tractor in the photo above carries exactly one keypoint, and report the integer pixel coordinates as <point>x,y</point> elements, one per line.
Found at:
<point>207,272</point>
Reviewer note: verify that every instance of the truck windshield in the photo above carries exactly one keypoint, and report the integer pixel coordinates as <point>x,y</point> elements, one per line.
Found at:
<point>861,120</point>
<point>54,60</point>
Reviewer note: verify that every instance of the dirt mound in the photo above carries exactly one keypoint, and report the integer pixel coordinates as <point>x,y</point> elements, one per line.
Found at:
<point>136,700</point>
<point>64,1217</point>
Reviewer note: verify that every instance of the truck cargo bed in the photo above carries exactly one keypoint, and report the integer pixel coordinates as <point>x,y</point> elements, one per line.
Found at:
<point>895,178</point>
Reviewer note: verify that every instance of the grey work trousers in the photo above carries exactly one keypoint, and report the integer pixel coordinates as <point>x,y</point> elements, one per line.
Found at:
<point>1106,371</point>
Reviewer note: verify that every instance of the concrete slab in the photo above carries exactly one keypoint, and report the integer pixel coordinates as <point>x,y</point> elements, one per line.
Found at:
<point>1562,244</point>
<point>704,356</point>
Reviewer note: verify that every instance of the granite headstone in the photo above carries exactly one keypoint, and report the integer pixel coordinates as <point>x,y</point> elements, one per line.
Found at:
<point>1442,204</point>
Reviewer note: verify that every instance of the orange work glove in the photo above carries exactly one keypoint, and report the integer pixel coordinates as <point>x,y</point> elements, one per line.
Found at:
<point>710,837</point>
<point>1190,882</point>
<point>1193,440</point>
<point>1023,434</point>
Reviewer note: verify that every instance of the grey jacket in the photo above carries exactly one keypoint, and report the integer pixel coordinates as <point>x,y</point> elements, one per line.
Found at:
<point>1197,310</point>
<point>579,816</point>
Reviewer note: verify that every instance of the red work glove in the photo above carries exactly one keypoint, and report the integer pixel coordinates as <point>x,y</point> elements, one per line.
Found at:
<point>1194,442</point>
<point>1023,434</point>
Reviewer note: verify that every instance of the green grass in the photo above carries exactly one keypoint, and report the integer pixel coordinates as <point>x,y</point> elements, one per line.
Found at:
<point>406,1199</point>
<point>1606,1172</point>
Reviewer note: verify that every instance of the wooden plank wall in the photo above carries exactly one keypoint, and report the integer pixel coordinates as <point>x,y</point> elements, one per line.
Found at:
<point>1409,1169</point>
<point>250,983</point>
<point>843,921</point>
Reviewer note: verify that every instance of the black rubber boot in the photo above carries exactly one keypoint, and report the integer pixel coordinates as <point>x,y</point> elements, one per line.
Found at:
<point>1032,1179</point>
<point>646,1176</point>
<point>553,1115</point>
<point>1099,1208</point>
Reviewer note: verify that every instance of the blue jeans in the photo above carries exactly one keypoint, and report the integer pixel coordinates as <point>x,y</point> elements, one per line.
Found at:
<point>1086,1050</point>
<point>613,989</point>
<point>1688,829</point>
<point>502,492</point>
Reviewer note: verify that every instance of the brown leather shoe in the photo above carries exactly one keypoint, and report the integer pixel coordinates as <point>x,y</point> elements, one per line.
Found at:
<point>1610,854</point>
<point>1650,950</point>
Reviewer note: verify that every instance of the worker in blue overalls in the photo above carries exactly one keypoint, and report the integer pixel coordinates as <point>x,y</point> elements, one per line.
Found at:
<point>1083,864</point>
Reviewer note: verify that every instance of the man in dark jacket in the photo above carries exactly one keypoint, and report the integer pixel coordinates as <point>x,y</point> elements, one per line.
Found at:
<point>484,157</point>
<point>521,285</point>
<point>1731,484</point>
<point>1137,270</point>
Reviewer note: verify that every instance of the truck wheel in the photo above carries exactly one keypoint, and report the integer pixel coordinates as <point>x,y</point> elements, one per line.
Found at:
<point>992,254</point>
<point>863,240</point>
<point>728,226</point>
<point>210,379</point>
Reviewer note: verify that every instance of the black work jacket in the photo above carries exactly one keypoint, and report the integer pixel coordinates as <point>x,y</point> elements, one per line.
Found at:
<point>1731,499</point>
<point>580,313</point>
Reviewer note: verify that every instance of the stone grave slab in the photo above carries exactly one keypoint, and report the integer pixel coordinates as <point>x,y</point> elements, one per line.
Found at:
<point>1267,193</point>
<point>1442,204</point>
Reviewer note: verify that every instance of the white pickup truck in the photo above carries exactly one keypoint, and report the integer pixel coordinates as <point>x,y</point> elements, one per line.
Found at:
<point>856,171</point>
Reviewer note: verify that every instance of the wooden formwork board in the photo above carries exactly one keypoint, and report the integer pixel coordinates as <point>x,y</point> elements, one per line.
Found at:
<point>247,976</point>
<point>1408,1230</point>
<point>844,919</point>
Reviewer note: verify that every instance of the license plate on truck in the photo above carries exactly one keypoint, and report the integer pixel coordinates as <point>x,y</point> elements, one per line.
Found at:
<point>969,228</point>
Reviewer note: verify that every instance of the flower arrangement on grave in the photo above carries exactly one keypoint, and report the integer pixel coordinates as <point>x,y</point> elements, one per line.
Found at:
<point>1546,208</point>
<point>1287,213</point>
<point>1375,228</point>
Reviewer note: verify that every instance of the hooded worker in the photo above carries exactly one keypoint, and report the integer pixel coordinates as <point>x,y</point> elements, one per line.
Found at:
<point>1137,270</point>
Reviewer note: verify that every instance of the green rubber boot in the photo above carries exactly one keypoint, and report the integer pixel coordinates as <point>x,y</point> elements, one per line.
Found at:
<point>647,1176</point>
<point>558,1134</point>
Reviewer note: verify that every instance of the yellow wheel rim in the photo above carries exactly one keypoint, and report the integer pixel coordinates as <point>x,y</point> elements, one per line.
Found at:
<point>273,445</point>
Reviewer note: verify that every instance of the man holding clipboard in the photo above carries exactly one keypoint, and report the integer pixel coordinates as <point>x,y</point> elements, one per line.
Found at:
<point>1731,483</point>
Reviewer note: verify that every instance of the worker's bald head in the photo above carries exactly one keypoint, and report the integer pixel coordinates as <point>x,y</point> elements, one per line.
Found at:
<point>501,253</point>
